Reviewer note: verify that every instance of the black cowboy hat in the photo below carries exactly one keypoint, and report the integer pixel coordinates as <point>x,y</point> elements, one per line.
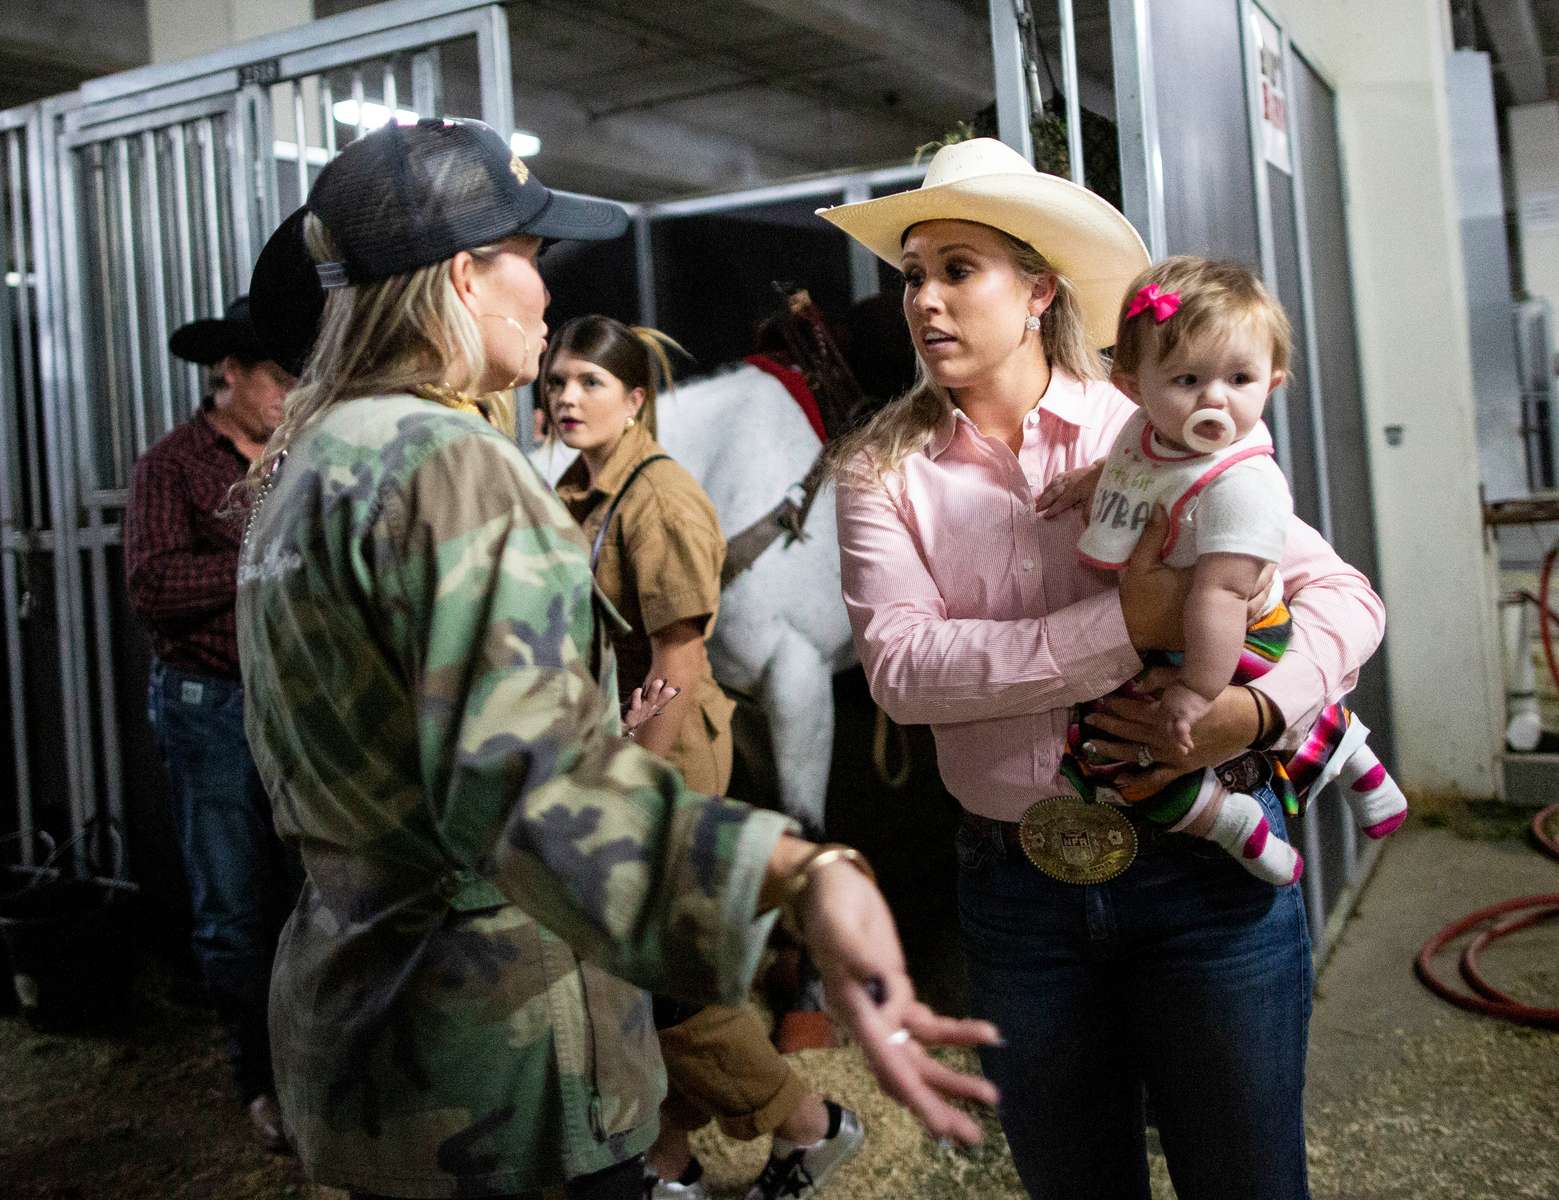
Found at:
<point>287,297</point>
<point>213,339</point>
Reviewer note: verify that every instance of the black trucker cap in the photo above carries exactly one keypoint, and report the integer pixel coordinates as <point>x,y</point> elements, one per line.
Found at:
<point>214,338</point>
<point>407,196</point>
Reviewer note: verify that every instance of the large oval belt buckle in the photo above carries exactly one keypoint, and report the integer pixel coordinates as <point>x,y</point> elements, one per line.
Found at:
<point>1077,842</point>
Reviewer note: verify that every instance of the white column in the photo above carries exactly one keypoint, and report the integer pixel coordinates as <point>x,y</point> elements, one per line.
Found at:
<point>1387,60</point>
<point>185,28</point>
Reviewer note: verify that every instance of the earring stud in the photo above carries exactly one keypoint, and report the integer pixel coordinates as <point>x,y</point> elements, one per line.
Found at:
<point>1032,323</point>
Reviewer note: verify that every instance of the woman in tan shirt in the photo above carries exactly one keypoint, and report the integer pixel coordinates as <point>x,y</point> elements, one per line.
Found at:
<point>657,551</point>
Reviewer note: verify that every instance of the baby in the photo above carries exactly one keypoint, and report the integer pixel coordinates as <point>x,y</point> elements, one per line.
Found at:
<point>1200,347</point>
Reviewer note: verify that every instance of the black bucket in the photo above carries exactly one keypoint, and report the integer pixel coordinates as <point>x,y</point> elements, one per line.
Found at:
<point>69,943</point>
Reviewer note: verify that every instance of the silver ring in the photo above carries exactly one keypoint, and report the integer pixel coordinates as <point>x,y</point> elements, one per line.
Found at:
<point>1145,758</point>
<point>898,1037</point>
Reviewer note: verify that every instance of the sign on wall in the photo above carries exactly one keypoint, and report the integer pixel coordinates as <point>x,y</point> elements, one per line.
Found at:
<point>1274,92</point>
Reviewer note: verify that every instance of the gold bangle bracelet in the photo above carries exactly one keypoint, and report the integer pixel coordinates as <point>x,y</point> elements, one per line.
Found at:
<point>796,884</point>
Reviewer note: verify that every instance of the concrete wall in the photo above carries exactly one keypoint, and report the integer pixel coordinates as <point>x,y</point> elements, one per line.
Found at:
<point>185,28</point>
<point>1387,60</point>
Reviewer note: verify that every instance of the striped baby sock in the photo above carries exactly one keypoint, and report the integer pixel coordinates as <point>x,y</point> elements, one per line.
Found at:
<point>1237,823</point>
<point>1377,802</point>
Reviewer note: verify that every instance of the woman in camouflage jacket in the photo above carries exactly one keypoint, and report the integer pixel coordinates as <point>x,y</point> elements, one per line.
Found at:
<point>431,703</point>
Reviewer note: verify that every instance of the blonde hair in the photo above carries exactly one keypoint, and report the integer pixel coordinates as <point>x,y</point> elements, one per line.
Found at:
<point>385,337</point>
<point>905,425</point>
<point>634,354</point>
<point>1215,296</point>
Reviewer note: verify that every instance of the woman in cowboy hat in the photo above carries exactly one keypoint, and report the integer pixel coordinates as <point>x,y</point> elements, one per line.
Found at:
<point>431,704</point>
<point>973,614</point>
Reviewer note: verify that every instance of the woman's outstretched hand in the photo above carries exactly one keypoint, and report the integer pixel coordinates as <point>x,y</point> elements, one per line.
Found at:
<point>851,936</point>
<point>646,703</point>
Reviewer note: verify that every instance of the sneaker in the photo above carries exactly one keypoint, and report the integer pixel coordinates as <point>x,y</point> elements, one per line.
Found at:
<point>687,1186</point>
<point>801,1171</point>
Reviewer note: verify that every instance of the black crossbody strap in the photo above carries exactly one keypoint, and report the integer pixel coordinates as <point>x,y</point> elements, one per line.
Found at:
<point>611,509</point>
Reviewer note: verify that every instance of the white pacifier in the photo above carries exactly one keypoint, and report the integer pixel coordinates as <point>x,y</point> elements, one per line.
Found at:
<point>1205,416</point>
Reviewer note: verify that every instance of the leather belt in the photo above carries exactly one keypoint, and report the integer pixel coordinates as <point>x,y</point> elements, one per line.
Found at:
<point>1245,773</point>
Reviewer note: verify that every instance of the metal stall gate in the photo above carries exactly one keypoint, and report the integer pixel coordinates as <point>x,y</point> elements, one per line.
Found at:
<point>1235,153</point>
<point>132,207</point>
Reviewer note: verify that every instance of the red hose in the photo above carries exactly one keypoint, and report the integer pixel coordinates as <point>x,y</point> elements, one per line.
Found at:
<point>1545,828</point>
<point>1492,1003</point>
<point>1545,615</point>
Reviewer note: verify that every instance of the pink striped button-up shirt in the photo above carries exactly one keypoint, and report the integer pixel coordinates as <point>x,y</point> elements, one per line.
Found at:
<point>972,614</point>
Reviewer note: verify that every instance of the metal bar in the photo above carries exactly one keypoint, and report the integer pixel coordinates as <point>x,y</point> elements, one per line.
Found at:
<point>492,56</point>
<point>384,44</point>
<point>1012,100</point>
<point>1136,119</point>
<point>208,172</point>
<point>357,99</point>
<point>61,187</point>
<point>106,331</point>
<point>407,15</point>
<point>795,189</point>
<point>327,108</point>
<point>1296,153</point>
<point>300,134</point>
<point>101,122</point>
<point>185,234</point>
<point>1315,895</point>
<point>644,269</point>
<point>387,89</point>
<point>427,83</point>
<point>22,773</point>
<point>1277,414</point>
<point>12,390</point>
<point>1069,80</point>
<point>113,783</point>
<point>863,263</point>
<point>251,179</point>
<point>156,213</point>
<point>31,448</point>
<point>132,305</point>
<point>158,117</point>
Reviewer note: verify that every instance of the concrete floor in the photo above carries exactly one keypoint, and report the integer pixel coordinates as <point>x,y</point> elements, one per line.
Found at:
<point>1409,1098</point>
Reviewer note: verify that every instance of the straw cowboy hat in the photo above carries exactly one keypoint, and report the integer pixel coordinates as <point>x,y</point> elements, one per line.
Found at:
<point>1082,235</point>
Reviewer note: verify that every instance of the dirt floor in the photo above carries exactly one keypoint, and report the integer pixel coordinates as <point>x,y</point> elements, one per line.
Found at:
<point>1409,1098</point>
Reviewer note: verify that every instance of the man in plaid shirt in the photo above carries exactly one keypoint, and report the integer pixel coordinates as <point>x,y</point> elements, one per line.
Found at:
<point>181,567</point>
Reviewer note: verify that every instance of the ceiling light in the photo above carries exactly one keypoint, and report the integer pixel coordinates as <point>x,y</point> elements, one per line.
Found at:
<point>374,114</point>
<point>524,143</point>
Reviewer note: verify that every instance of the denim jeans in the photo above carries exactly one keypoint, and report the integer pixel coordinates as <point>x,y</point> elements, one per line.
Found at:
<point>1184,980</point>
<point>242,881</point>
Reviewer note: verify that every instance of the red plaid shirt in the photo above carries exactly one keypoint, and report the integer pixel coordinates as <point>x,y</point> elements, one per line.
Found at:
<point>181,558</point>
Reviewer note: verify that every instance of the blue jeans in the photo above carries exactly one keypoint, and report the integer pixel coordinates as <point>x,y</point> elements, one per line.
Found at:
<point>1184,979</point>
<point>242,881</point>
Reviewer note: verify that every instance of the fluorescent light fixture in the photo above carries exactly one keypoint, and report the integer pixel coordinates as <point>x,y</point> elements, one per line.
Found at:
<point>288,152</point>
<point>374,114</point>
<point>524,143</point>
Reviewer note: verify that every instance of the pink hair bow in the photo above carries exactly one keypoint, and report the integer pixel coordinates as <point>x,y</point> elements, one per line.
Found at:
<point>1163,305</point>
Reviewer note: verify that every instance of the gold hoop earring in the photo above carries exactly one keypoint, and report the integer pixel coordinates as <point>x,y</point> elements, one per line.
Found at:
<point>524,340</point>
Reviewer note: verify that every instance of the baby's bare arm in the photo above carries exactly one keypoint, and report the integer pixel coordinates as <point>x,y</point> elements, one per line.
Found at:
<point>1222,587</point>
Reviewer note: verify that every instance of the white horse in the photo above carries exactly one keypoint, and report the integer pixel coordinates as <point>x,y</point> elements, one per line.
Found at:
<point>782,633</point>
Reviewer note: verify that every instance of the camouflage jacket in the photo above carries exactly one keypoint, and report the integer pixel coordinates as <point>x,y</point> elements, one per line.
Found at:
<point>431,702</point>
